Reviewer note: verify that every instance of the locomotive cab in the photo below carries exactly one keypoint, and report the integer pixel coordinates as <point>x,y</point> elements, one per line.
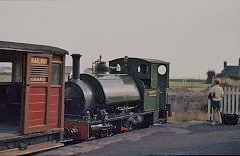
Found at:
<point>152,78</point>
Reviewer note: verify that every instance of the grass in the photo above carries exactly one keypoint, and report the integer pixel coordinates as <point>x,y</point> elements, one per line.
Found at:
<point>226,82</point>
<point>187,84</point>
<point>188,116</point>
<point>185,117</point>
<point>5,78</point>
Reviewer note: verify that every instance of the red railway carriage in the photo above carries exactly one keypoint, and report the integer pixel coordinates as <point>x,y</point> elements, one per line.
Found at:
<point>31,94</point>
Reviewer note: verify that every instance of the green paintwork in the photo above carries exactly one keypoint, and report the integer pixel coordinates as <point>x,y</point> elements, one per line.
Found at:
<point>151,103</point>
<point>154,76</point>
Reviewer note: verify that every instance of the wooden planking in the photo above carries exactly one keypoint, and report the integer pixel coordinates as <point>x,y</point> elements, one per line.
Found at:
<point>53,107</point>
<point>52,125</point>
<point>54,96</point>
<point>54,100</point>
<point>37,122</point>
<point>36,115</point>
<point>36,118</point>
<point>39,90</point>
<point>53,113</point>
<point>53,119</point>
<point>37,106</point>
<point>37,99</point>
<point>54,91</point>
<point>37,95</point>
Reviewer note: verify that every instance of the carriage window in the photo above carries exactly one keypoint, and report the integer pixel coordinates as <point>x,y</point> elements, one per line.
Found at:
<point>5,72</point>
<point>56,74</point>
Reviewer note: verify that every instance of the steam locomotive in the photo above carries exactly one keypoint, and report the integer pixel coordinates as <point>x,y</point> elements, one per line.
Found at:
<point>42,110</point>
<point>128,93</point>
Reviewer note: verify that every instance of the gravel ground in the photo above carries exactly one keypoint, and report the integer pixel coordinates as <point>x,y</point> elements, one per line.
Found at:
<point>172,138</point>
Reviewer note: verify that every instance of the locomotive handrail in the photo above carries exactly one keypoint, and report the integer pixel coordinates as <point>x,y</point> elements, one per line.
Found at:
<point>111,74</point>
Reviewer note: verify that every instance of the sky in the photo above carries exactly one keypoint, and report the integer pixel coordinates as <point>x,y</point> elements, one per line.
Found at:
<point>193,35</point>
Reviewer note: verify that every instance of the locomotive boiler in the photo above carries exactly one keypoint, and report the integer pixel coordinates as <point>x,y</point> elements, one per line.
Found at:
<point>128,93</point>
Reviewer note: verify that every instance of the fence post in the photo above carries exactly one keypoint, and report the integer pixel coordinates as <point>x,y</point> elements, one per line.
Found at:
<point>209,107</point>
<point>229,100</point>
<point>209,111</point>
<point>233,100</point>
<point>237,101</point>
<point>225,101</point>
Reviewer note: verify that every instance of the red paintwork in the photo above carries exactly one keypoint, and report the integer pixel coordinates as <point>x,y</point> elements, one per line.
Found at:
<point>37,106</point>
<point>53,113</point>
<point>82,129</point>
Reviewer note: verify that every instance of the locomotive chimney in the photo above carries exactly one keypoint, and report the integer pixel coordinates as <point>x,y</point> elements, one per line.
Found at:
<point>224,64</point>
<point>76,66</point>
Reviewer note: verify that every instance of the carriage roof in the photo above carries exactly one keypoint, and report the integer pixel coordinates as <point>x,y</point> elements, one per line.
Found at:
<point>33,48</point>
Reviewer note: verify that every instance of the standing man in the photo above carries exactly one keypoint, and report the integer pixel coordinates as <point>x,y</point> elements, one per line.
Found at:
<point>217,94</point>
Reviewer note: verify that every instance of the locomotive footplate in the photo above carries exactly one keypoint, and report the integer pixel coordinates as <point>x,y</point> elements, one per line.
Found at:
<point>85,129</point>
